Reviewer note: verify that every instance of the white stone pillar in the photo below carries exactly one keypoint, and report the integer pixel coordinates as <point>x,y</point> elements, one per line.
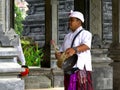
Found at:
<point>54,4</point>
<point>5,14</point>
<point>9,69</point>
<point>2,15</point>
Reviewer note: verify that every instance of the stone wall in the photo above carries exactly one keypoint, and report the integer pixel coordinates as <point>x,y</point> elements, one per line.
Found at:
<point>101,23</point>
<point>34,24</point>
<point>43,78</point>
<point>107,20</point>
<point>63,11</point>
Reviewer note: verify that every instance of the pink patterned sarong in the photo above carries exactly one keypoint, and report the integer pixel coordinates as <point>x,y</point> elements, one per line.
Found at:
<point>74,81</point>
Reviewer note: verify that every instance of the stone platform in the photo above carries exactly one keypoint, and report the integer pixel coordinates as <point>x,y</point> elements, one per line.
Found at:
<point>57,88</point>
<point>9,70</point>
<point>11,84</point>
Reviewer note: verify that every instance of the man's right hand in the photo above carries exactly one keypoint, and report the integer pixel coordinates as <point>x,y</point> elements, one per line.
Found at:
<point>58,55</point>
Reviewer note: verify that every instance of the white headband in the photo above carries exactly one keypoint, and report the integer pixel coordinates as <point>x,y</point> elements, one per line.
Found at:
<point>77,14</point>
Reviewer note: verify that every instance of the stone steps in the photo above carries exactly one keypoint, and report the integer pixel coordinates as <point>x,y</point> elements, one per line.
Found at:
<point>11,84</point>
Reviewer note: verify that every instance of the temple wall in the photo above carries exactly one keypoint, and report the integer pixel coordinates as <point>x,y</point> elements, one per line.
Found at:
<point>34,24</point>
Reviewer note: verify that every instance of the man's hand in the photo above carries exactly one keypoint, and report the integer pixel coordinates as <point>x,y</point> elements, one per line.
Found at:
<point>58,55</point>
<point>69,52</point>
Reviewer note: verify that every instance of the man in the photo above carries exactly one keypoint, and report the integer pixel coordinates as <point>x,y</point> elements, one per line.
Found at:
<point>81,79</point>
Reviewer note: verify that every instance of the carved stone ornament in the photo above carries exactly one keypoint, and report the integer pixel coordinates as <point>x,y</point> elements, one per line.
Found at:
<point>8,38</point>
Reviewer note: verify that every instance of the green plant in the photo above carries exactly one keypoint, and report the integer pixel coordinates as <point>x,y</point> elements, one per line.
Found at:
<point>18,26</point>
<point>32,53</point>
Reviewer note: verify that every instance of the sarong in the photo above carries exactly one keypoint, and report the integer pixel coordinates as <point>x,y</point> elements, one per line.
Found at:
<point>73,81</point>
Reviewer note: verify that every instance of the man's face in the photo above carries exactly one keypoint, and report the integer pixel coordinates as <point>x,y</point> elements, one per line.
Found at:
<point>74,23</point>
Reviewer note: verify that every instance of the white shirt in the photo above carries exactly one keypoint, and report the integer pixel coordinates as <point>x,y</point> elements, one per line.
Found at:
<point>84,58</point>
